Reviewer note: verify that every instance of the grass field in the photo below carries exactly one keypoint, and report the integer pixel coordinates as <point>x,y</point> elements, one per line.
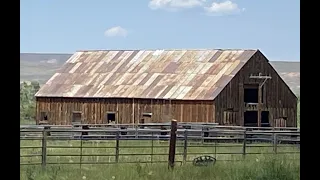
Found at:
<point>27,122</point>
<point>273,168</point>
<point>254,166</point>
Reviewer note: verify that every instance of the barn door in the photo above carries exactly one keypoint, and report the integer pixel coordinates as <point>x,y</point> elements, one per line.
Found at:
<point>44,118</point>
<point>76,118</point>
<point>229,118</point>
<point>280,122</point>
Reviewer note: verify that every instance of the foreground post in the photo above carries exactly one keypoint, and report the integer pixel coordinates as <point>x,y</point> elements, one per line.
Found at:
<point>172,146</point>
<point>44,149</point>
<point>275,143</point>
<point>81,143</point>
<point>117,146</point>
<point>185,147</point>
<point>244,143</point>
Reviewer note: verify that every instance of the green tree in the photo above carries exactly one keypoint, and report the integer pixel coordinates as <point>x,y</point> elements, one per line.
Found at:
<point>27,100</point>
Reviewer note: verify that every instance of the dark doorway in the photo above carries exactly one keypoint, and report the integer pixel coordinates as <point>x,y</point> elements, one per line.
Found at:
<point>111,117</point>
<point>43,118</point>
<point>251,118</point>
<point>265,119</point>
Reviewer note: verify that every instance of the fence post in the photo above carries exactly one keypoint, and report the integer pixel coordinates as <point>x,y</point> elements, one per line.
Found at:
<point>185,147</point>
<point>202,135</point>
<point>172,146</point>
<point>81,144</point>
<point>151,158</point>
<point>44,149</point>
<point>117,146</point>
<point>275,142</point>
<point>244,143</point>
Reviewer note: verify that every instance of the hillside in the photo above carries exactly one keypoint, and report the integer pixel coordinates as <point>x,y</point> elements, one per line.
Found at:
<point>41,66</point>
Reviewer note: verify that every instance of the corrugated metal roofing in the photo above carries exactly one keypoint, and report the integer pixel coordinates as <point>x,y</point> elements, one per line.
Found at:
<point>162,74</point>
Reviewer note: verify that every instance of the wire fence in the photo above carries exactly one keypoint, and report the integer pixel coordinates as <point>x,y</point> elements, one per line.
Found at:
<point>45,145</point>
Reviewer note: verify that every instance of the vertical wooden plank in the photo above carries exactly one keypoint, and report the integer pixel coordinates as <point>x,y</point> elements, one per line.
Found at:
<point>213,112</point>
<point>259,105</point>
<point>241,105</point>
<point>151,109</point>
<point>181,113</point>
<point>207,111</point>
<point>132,116</point>
<point>117,111</point>
<point>137,111</point>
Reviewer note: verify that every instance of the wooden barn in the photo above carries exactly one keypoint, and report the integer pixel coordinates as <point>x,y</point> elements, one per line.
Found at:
<point>225,86</point>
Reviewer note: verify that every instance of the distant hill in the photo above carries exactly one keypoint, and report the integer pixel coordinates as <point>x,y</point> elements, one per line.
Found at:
<point>41,66</point>
<point>290,72</point>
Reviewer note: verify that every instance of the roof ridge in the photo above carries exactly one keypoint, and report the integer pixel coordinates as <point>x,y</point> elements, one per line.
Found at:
<point>181,49</point>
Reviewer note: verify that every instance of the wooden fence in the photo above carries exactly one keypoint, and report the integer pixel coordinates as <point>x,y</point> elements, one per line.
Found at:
<point>45,145</point>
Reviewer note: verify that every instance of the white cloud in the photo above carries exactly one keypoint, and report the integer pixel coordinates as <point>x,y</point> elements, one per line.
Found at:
<point>50,61</point>
<point>223,8</point>
<point>116,31</point>
<point>175,4</point>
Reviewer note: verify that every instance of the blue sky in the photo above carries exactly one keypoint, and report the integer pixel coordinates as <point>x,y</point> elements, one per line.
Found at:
<point>64,26</point>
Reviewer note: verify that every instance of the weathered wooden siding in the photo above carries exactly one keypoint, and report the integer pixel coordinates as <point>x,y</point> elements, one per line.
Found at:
<point>94,110</point>
<point>278,99</point>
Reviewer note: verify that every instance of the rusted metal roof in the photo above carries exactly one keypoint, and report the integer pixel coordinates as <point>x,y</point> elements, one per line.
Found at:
<point>159,74</point>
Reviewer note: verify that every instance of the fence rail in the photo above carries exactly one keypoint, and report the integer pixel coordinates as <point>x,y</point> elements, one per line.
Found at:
<point>60,145</point>
<point>168,124</point>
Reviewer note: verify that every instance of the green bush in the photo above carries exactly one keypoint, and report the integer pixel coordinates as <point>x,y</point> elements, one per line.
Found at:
<point>27,100</point>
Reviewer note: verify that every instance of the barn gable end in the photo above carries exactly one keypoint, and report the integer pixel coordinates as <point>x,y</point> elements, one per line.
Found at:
<point>278,99</point>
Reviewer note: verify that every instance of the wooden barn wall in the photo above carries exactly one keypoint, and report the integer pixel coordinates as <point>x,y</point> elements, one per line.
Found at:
<point>93,111</point>
<point>278,99</point>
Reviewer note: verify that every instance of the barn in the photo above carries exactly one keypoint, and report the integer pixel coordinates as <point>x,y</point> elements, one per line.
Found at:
<point>225,86</point>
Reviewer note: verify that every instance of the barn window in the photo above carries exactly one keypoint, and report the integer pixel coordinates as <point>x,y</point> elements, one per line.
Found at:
<point>43,116</point>
<point>110,117</point>
<point>76,117</point>
<point>146,117</point>
<point>251,93</point>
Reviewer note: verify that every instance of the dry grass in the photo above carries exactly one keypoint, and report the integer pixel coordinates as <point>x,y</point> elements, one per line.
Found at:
<point>254,166</point>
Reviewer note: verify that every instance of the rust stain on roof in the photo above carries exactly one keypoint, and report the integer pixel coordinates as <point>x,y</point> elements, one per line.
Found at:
<point>156,91</point>
<point>163,74</point>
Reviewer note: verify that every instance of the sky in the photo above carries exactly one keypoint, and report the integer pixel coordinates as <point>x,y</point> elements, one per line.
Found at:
<point>65,26</point>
